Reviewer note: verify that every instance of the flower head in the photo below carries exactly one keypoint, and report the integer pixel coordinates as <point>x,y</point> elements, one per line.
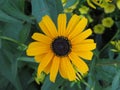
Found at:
<point>109,8</point>
<point>116,45</point>
<point>118,4</point>
<point>99,29</point>
<point>108,22</point>
<point>61,49</point>
<point>84,10</point>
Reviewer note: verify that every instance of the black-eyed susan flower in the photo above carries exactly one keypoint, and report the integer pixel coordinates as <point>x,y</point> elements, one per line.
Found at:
<point>61,49</point>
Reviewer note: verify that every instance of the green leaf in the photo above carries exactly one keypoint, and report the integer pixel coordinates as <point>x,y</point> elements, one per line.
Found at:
<point>2,3</point>
<point>26,74</point>
<point>116,81</point>
<point>14,68</point>
<point>39,9</point>
<point>23,34</point>
<point>105,73</point>
<point>5,70</point>
<point>26,59</point>
<point>12,10</point>
<point>3,82</point>
<point>98,86</point>
<point>6,18</point>
<point>55,8</point>
<point>107,88</point>
<point>70,3</point>
<point>19,4</point>
<point>48,85</point>
<point>12,30</point>
<point>17,31</point>
<point>0,44</point>
<point>91,81</point>
<point>46,7</point>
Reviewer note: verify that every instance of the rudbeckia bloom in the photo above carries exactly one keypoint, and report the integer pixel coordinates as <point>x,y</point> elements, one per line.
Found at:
<point>61,49</point>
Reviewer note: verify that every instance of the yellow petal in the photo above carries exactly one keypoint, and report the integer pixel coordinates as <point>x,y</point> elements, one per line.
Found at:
<point>41,38</point>
<point>37,48</point>
<point>79,28</point>
<point>80,64</point>
<point>66,65</point>
<point>81,36</point>
<point>36,45</point>
<point>38,58</point>
<point>72,23</point>
<point>87,41</point>
<point>54,68</point>
<point>61,24</point>
<point>45,29</point>
<point>48,27</point>
<point>46,60</point>
<point>48,67</point>
<point>84,47</point>
<point>62,70</point>
<point>85,54</point>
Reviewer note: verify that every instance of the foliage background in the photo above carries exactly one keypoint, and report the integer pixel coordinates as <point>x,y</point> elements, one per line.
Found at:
<point>19,20</point>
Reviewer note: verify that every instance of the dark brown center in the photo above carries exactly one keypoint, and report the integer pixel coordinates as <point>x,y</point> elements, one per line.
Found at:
<point>61,46</point>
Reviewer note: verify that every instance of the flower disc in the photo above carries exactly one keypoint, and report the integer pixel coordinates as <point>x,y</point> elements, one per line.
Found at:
<point>61,46</point>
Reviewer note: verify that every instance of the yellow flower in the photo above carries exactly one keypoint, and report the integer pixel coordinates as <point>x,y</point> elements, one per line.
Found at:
<point>109,8</point>
<point>61,48</point>
<point>108,22</point>
<point>99,29</point>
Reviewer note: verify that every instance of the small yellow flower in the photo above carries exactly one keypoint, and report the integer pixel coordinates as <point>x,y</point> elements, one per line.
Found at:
<point>118,4</point>
<point>116,44</point>
<point>99,29</point>
<point>84,10</point>
<point>108,22</point>
<point>61,48</point>
<point>109,8</point>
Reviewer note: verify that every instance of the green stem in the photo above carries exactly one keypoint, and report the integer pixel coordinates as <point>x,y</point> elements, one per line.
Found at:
<point>109,41</point>
<point>9,39</point>
<point>108,63</point>
<point>83,81</point>
<point>12,40</point>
